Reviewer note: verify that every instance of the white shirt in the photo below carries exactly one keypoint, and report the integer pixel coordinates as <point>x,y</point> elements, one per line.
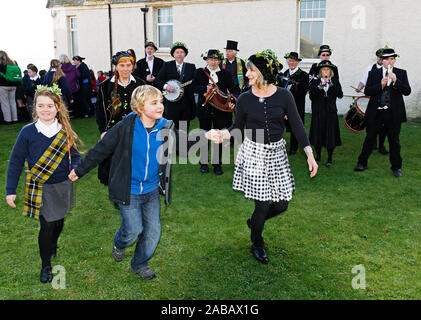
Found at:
<point>365,77</point>
<point>119,82</point>
<point>291,72</point>
<point>213,74</point>
<point>48,130</point>
<point>34,78</point>
<point>150,63</point>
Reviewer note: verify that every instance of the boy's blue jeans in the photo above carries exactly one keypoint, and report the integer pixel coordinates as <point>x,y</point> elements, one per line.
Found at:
<point>140,220</point>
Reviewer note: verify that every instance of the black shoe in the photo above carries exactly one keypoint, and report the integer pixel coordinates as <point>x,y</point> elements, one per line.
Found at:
<point>218,170</point>
<point>397,173</point>
<point>259,254</point>
<point>383,150</point>
<point>46,275</point>
<point>329,164</point>
<point>292,152</point>
<point>360,167</point>
<point>204,168</point>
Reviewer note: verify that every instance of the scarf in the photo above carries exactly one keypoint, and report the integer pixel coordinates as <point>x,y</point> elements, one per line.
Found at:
<point>240,75</point>
<point>41,172</point>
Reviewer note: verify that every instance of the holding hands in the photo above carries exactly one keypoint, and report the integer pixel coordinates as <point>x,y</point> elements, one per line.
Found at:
<point>73,176</point>
<point>217,136</point>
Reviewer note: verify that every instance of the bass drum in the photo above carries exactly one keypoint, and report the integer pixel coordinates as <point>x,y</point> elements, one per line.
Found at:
<point>354,119</point>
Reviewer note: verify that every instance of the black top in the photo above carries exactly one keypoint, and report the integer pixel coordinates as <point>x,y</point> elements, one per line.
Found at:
<point>265,116</point>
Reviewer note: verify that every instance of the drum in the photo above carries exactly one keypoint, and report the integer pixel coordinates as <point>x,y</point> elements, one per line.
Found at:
<point>219,100</point>
<point>354,119</point>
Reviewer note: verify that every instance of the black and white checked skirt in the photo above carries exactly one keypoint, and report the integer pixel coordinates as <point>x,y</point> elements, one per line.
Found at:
<point>262,171</point>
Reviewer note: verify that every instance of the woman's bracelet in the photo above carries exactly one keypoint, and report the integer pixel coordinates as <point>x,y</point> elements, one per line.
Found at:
<point>308,149</point>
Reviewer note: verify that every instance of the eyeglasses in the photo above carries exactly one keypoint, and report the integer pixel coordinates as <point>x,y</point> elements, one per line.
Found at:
<point>325,55</point>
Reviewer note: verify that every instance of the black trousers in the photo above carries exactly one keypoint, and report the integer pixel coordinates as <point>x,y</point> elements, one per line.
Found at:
<point>216,123</point>
<point>47,238</point>
<point>264,210</point>
<point>392,129</point>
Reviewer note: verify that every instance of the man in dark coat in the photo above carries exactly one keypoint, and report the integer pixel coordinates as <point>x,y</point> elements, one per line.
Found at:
<point>184,109</point>
<point>324,55</point>
<point>296,80</point>
<point>235,66</point>
<point>148,68</point>
<point>208,115</point>
<point>386,88</point>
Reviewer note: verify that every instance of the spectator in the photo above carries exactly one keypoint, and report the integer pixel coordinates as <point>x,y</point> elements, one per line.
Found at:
<point>56,75</point>
<point>30,83</point>
<point>10,77</point>
<point>85,85</point>
<point>72,77</point>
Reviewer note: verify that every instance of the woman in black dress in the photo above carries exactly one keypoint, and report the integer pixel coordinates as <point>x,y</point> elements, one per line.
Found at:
<point>324,129</point>
<point>262,169</point>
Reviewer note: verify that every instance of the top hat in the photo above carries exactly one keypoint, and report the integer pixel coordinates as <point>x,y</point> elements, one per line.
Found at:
<point>325,64</point>
<point>179,45</point>
<point>119,55</point>
<point>232,45</point>
<point>78,58</point>
<point>324,48</point>
<point>292,55</point>
<point>151,44</point>
<point>388,52</point>
<point>213,54</point>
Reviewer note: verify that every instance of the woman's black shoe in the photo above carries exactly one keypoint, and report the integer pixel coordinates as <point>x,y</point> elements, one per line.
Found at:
<point>46,275</point>
<point>259,254</point>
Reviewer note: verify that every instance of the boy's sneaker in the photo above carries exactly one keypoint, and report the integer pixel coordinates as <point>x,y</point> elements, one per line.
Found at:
<point>118,254</point>
<point>146,273</point>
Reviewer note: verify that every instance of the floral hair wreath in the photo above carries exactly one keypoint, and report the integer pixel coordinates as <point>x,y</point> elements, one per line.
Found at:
<point>271,58</point>
<point>54,89</point>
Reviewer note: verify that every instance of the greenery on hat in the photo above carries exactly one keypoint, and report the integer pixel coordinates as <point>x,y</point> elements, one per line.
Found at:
<point>178,44</point>
<point>53,89</point>
<point>217,55</point>
<point>271,58</point>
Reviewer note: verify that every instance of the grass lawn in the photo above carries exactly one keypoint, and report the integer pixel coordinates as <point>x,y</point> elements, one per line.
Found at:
<point>335,221</point>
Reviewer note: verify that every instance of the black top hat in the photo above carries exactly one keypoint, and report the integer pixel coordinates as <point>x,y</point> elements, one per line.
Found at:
<point>324,48</point>
<point>388,52</point>
<point>232,45</point>
<point>213,54</point>
<point>119,55</point>
<point>325,64</point>
<point>179,45</point>
<point>292,55</point>
<point>150,44</point>
<point>78,58</point>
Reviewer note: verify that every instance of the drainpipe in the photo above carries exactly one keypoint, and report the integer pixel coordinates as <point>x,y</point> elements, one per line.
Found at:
<point>110,35</point>
<point>144,10</point>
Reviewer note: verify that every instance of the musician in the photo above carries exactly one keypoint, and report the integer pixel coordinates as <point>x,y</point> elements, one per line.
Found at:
<point>324,128</point>
<point>296,80</point>
<point>386,88</point>
<point>113,102</point>
<point>148,68</point>
<point>324,55</point>
<point>185,108</point>
<point>208,115</point>
<point>361,85</point>
<point>235,66</point>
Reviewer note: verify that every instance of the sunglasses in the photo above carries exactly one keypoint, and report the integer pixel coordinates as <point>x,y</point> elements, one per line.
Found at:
<point>325,55</point>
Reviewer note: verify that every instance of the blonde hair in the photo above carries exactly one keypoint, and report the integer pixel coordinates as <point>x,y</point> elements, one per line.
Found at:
<point>332,73</point>
<point>141,94</point>
<point>260,80</point>
<point>62,116</point>
<point>64,58</point>
<point>59,72</point>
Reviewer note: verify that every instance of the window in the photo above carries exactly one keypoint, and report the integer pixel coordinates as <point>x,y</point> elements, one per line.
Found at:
<point>312,21</point>
<point>165,28</point>
<point>73,36</point>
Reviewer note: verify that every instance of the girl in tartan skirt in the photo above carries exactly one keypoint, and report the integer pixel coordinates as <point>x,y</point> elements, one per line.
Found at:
<point>262,170</point>
<point>47,148</point>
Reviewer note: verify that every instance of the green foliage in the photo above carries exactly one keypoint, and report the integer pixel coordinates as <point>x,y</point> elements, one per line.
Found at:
<point>334,222</point>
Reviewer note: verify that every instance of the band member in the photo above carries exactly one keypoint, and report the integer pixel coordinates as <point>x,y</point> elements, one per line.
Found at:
<point>361,85</point>
<point>185,108</point>
<point>296,80</point>
<point>324,55</point>
<point>85,87</point>
<point>386,88</point>
<point>208,115</point>
<point>324,128</point>
<point>262,170</point>
<point>148,68</point>
<point>235,66</point>
<point>113,102</point>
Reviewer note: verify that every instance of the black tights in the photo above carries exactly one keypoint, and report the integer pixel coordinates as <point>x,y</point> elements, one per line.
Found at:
<point>264,210</point>
<point>319,154</point>
<point>47,238</point>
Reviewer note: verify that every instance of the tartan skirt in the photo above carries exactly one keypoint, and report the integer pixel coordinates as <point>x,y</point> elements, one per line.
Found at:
<point>262,171</point>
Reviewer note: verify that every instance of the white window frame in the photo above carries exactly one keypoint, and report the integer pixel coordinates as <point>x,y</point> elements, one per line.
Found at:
<point>71,31</point>
<point>309,60</point>
<point>158,24</point>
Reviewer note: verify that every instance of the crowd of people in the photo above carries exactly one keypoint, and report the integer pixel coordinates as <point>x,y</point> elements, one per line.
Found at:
<point>143,99</point>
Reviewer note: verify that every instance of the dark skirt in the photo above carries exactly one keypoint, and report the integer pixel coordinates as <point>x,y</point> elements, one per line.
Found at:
<point>324,128</point>
<point>56,200</point>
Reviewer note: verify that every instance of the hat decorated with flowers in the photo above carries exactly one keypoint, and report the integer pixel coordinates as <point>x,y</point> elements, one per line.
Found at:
<point>213,54</point>
<point>179,45</point>
<point>267,63</point>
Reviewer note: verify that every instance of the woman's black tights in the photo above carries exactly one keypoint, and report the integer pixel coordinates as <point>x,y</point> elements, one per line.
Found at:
<point>319,154</point>
<point>47,239</point>
<point>264,210</point>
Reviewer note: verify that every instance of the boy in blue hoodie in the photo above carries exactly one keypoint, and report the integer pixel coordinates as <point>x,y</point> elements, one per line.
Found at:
<point>136,144</point>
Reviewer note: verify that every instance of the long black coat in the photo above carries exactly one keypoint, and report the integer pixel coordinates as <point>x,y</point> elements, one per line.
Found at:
<point>199,86</point>
<point>184,109</point>
<point>374,89</point>
<point>299,92</point>
<point>324,128</point>
<point>142,68</point>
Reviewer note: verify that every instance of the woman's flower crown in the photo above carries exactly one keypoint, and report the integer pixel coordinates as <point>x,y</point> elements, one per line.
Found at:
<point>54,89</point>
